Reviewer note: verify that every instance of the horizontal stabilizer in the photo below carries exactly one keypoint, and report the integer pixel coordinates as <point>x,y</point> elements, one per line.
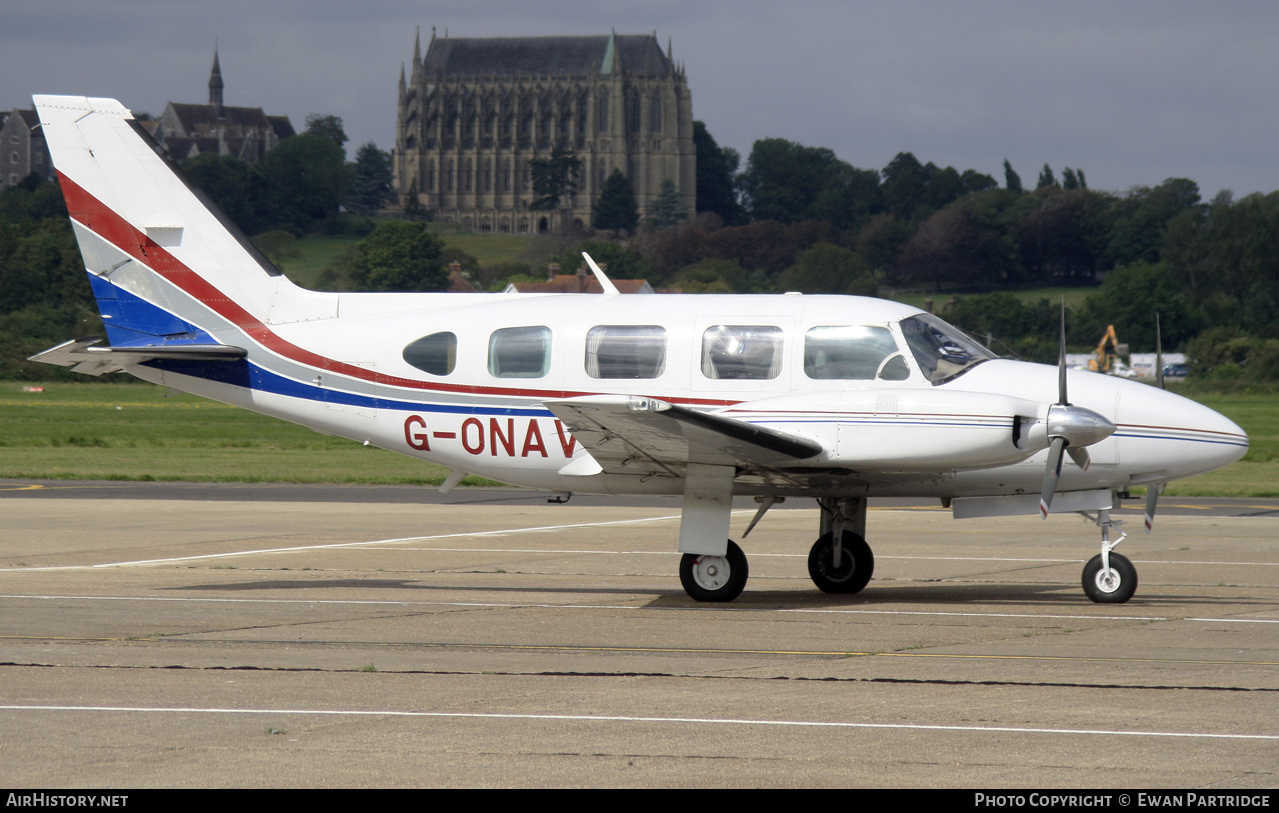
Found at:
<point>645,436</point>
<point>88,356</point>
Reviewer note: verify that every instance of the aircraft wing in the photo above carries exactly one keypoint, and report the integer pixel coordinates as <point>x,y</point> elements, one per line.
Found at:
<point>638,436</point>
<point>88,356</point>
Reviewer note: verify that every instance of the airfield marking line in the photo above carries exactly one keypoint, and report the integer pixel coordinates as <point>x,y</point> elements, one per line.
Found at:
<point>530,605</point>
<point>335,545</point>
<point>753,554</point>
<point>620,718</point>
<point>1239,620</point>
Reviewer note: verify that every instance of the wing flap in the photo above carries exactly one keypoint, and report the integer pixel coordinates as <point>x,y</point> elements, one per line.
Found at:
<point>644,436</point>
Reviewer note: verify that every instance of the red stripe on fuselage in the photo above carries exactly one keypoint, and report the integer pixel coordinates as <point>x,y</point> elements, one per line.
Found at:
<point>106,223</point>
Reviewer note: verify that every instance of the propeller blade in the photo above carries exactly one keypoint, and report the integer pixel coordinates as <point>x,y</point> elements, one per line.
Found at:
<point>1152,499</point>
<point>1159,358</point>
<point>1061,358</point>
<point>1051,473</point>
<point>1080,455</point>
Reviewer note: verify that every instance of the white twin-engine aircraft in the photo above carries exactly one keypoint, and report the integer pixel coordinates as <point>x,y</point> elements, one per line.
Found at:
<point>833,397</point>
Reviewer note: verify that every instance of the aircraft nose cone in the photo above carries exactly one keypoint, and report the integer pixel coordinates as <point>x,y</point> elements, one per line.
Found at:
<point>1178,435</point>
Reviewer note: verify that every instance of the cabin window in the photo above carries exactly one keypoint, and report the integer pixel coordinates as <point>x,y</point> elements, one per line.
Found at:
<point>853,353</point>
<point>520,352</point>
<point>626,351</point>
<point>742,352</point>
<point>435,354</point>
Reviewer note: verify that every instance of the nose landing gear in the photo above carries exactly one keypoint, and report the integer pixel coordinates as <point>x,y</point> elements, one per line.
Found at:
<point>1109,578</point>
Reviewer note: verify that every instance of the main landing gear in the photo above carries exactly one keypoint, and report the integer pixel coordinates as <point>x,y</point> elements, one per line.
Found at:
<point>714,578</point>
<point>840,560</point>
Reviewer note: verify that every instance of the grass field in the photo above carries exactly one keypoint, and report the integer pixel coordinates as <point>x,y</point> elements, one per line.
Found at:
<point>133,431</point>
<point>1074,297</point>
<point>319,253</point>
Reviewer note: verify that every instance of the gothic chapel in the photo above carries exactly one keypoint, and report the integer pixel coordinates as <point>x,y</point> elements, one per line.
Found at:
<point>475,112</point>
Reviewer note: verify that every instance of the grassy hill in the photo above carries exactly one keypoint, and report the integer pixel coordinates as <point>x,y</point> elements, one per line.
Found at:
<point>321,253</point>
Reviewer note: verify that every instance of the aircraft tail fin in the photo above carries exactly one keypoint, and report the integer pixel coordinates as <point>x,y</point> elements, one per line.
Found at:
<point>167,268</point>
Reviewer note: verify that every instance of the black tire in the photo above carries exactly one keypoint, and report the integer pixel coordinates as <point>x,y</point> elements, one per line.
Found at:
<point>714,578</point>
<point>856,564</point>
<point>1114,590</point>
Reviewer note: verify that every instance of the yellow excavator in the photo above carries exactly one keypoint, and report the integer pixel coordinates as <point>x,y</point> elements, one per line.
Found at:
<point>1110,363</point>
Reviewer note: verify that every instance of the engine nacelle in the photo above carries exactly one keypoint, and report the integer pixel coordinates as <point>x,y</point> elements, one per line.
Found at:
<point>905,430</point>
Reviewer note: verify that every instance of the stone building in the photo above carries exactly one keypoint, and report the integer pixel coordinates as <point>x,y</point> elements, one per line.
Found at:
<point>188,130</point>
<point>473,113</point>
<point>22,147</point>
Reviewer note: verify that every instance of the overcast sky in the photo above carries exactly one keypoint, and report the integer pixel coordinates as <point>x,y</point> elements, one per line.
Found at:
<point>1130,92</point>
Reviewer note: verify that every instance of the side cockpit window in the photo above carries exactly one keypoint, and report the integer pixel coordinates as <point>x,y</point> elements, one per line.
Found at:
<point>942,350</point>
<point>520,352</point>
<point>853,353</point>
<point>435,354</point>
<point>626,351</point>
<point>750,352</point>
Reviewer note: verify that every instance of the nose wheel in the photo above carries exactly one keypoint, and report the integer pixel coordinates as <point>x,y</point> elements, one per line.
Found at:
<point>714,578</point>
<point>1113,585</point>
<point>1109,578</point>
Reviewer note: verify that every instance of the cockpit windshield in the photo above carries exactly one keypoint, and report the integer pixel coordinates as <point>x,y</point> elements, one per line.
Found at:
<point>942,351</point>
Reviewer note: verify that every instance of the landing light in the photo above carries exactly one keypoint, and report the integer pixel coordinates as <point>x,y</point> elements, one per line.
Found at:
<point>638,404</point>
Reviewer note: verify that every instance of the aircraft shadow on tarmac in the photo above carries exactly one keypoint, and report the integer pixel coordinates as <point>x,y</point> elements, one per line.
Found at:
<point>933,594</point>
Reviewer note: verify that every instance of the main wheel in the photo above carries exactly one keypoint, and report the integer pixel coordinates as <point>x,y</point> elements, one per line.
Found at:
<point>714,578</point>
<point>1114,587</point>
<point>856,564</point>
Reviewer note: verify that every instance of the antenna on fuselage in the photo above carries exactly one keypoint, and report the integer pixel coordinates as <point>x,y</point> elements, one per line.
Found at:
<point>605,282</point>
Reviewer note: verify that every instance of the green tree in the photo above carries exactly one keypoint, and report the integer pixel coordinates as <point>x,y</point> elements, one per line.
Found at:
<point>1046,178</point>
<point>554,179</point>
<point>716,168</point>
<point>668,207</point>
<point>1139,220</point>
<point>1129,299</point>
<point>1011,326</point>
<point>904,185</point>
<point>789,183</point>
<point>1063,238</point>
<point>1012,181</point>
<point>236,187</point>
<point>619,261</point>
<point>370,180</point>
<point>413,208</point>
<point>828,269</point>
<point>278,246</point>
<point>32,199</point>
<point>1227,255</point>
<point>616,209</point>
<point>975,181</point>
<point>956,246</point>
<point>307,181</point>
<point>400,256</point>
<point>328,126</point>
<point>711,277</point>
<point>849,198</point>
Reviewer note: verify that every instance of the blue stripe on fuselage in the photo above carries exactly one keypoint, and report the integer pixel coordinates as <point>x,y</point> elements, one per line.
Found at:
<point>246,374</point>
